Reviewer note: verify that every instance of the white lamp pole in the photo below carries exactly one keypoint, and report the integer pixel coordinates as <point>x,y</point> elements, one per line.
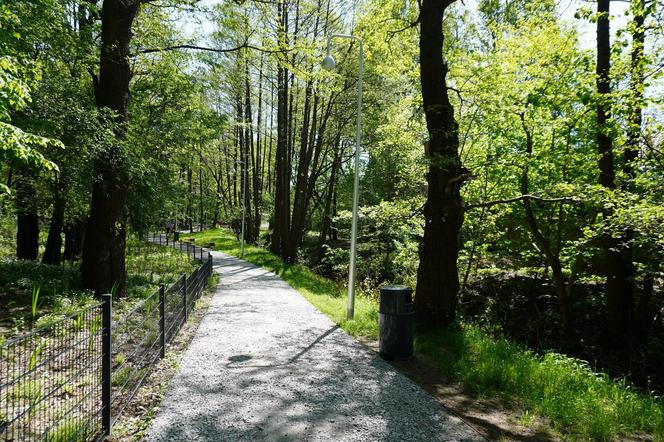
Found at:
<point>329,64</point>
<point>244,203</point>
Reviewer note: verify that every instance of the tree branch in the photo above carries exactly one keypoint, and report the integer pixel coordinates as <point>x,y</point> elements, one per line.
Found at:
<point>568,200</point>
<point>219,51</point>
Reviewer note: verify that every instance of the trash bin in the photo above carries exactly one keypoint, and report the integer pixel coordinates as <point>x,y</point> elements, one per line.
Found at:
<point>395,319</point>
<point>176,236</point>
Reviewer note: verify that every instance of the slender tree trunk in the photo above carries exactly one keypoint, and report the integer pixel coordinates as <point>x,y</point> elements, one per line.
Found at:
<point>103,265</point>
<point>617,265</point>
<point>53,249</point>
<point>437,275</point>
<point>269,151</point>
<point>551,258</point>
<point>283,171</point>
<point>300,197</point>
<point>200,197</point>
<point>327,206</point>
<point>27,232</point>
<point>190,198</point>
<point>637,71</point>
<point>254,158</point>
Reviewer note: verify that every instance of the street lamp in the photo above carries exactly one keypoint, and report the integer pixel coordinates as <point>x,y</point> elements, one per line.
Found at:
<point>244,202</point>
<point>328,64</point>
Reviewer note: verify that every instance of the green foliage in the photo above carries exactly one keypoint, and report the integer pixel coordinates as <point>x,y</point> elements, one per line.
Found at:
<point>16,146</point>
<point>34,356</point>
<point>32,390</point>
<point>35,301</point>
<point>26,275</point>
<point>387,245</point>
<point>580,403</point>
<point>71,429</point>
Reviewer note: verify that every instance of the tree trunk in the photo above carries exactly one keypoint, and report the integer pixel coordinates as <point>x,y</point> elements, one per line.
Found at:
<point>617,265</point>
<point>327,206</point>
<point>27,232</point>
<point>103,265</point>
<point>282,172</point>
<point>437,274</point>
<point>551,258</point>
<point>251,163</point>
<point>53,250</point>
<point>300,197</point>
<point>74,240</point>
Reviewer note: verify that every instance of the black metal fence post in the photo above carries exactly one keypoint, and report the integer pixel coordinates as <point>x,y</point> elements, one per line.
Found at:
<point>106,364</point>
<point>162,321</point>
<point>184,296</point>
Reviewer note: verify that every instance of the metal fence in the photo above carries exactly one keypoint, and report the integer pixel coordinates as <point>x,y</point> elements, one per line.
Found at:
<point>71,380</point>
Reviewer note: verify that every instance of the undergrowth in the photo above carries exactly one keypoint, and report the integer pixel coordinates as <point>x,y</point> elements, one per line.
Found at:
<point>33,294</point>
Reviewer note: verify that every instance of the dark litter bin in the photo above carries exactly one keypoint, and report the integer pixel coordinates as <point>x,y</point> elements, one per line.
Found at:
<point>395,318</point>
<point>176,236</point>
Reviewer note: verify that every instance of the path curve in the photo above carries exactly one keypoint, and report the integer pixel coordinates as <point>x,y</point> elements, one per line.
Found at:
<point>265,365</point>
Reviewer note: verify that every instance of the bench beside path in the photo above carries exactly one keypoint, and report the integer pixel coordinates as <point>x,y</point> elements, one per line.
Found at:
<point>265,365</point>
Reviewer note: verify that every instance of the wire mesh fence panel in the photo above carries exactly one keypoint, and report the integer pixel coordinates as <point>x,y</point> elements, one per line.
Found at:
<point>136,346</point>
<point>50,385</point>
<point>56,381</point>
<point>174,309</point>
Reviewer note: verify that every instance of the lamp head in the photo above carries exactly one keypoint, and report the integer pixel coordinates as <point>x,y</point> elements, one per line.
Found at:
<point>328,63</point>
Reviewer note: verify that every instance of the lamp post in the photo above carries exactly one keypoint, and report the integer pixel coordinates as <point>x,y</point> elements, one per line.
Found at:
<point>244,203</point>
<point>328,63</point>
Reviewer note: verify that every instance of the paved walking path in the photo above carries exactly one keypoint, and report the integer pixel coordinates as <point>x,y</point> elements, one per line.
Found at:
<point>265,365</point>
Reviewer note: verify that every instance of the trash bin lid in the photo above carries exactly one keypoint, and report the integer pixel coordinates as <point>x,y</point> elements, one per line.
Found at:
<point>396,289</point>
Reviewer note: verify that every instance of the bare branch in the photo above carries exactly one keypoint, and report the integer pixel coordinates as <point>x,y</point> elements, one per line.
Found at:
<point>217,50</point>
<point>568,200</point>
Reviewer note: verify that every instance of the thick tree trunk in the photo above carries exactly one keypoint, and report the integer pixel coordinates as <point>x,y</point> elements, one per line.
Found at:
<point>27,232</point>
<point>617,263</point>
<point>437,275</point>
<point>103,266</point>
<point>53,249</point>
<point>74,240</point>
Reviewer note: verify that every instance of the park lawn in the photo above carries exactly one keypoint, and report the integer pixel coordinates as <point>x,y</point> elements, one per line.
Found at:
<point>579,403</point>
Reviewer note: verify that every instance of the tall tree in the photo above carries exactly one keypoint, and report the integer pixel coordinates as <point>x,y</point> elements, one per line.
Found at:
<point>103,265</point>
<point>437,275</point>
<point>618,267</point>
<point>281,222</point>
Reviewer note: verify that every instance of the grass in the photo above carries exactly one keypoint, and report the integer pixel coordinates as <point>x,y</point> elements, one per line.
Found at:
<point>579,403</point>
<point>70,430</point>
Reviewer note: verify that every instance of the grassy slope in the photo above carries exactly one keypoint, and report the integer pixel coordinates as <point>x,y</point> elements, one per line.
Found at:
<point>581,404</point>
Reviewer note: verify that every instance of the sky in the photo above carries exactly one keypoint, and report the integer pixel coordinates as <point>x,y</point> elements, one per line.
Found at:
<point>567,8</point>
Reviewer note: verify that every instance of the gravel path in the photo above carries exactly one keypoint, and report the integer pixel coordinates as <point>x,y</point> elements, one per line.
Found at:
<point>265,365</point>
